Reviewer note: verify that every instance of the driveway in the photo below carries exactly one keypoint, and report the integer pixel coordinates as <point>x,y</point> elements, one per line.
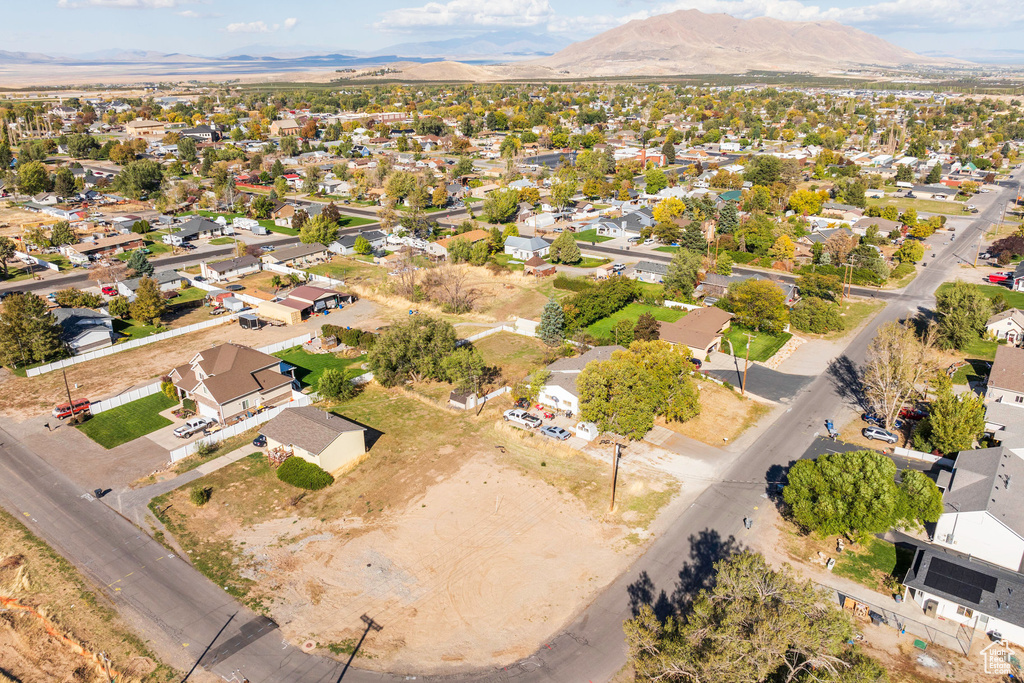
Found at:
<point>764,382</point>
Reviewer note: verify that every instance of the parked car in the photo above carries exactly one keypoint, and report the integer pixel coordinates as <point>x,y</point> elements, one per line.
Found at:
<point>696,362</point>
<point>109,291</point>
<point>872,419</point>
<point>557,433</point>
<point>196,424</point>
<point>879,434</point>
<point>260,441</point>
<point>199,278</point>
<point>648,242</point>
<point>908,413</point>
<point>618,267</point>
<point>76,407</point>
<point>521,417</point>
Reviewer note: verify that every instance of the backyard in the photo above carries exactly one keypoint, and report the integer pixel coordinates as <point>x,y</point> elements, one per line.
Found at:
<point>762,345</point>
<point>605,328</point>
<point>590,236</point>
<point>309,366</point>
<point>516,355</point>
<point>128,422</point>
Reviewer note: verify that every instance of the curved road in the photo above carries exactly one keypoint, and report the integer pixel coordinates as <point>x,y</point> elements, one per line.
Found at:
<point>188,618</point>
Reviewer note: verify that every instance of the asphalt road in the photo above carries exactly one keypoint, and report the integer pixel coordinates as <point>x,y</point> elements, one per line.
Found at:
<point>171,604</point>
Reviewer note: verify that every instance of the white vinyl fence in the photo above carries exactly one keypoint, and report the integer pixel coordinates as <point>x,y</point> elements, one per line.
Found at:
<point>237,428</point>
<point>127,397</point>
<point>286,344</point>
<point>920,455</point>
<point>133,344</point>
<point>206,286</point>
<point>309,277</point>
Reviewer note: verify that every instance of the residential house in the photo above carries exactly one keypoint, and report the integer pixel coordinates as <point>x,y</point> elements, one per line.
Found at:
<point>299,255</point>
<point>140,128</point>
<point>229,380</point>
<point>967,591</point>
<point>649,271</point>
<point>700,330</point>
<point>525,248</point>
<point>940,192</point>
<point>346,244</point>
<point>843,211</point>
<point>196,228</point>
<point>84,329</point>
<point>166,281</point>
<point>717,286</point>
<point>1018,277</point>
<point>440,247</point>
<point>200,134</point>
<point>1006,379</point>
<point>230,269</point>
<point>309,299</point>
<point>535,265</point>
<point>629,225</point>
<point>884,225</point>
<point>559,391</point>
<point>1008,325</point>
<point>324,439</point>
<point>82,252</point>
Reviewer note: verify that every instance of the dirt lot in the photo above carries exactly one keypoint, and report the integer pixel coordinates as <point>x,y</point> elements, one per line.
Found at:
<point>438,535</point>
<point>32,649</point>
<point>22,397</point>
<point>724,415</point>
<point>14,220</point>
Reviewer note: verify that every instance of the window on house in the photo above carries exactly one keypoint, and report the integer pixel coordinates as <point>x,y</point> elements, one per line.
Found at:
<point>245,404</point>
<point>1018,399</point>
<point>964,612</point>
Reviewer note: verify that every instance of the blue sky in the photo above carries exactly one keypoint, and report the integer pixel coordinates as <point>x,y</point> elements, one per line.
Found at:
<point>211,27</point>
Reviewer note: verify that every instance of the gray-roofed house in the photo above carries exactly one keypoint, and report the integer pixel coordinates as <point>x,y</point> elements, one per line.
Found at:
<point>525,248</point>
<point>166,281</point>
<point>196,228</point>
<point>221,271</point>
<point>715,285</point>
<point>649,271</point>
<point>299,255</point>
<point>1008,325</point>
<point>84,329</point>
<point>559,391</point>
<point>324,439</point>
<point>230,380</point>
<point>983,513</point>
<point>1006,380</point>
<point>629,225</point>
<point>968,591</point>
<point>346,244</point>
<point>1018,277</point>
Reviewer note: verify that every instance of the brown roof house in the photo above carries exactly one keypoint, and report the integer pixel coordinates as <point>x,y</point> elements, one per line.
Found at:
<point>538,266</point>
<point>1008,325</point>
<point>1006,380</point>
<point>230,380</point>
<point>700,330</point>
<point>324,439</point>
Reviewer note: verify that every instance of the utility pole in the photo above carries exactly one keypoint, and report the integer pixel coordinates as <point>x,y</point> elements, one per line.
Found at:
<point>615,476</point>
<point>746,364</point>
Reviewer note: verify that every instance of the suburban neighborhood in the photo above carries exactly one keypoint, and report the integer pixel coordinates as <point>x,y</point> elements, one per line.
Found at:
<point>395,377</point>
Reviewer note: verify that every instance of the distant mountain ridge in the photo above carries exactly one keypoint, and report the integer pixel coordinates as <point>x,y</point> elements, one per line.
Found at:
<point>690,41</point>
<point>489,44</point>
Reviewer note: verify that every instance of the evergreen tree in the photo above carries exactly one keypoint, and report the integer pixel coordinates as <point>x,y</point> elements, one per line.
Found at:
<point>565,250</point>
<point>552,323</point>
<point>139,264</point>
<point>647,328</point>
<point>728,218</point>
<point>669,150</point>
<point>934,175</point>
<point>28,331</point>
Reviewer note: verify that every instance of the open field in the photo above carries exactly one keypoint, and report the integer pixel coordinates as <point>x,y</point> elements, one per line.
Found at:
<point>950,208</point>
<point>33,575</point>
<point>605,328</point>
<point>516,355</point>
<point>437,533</point>
<point>128,422</point>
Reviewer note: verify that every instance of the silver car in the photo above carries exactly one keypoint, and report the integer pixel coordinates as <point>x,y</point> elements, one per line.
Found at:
<point>557,433</point>
<point>879,434</point>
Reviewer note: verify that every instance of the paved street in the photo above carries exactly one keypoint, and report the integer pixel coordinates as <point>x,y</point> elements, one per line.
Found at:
<point>171,604</point>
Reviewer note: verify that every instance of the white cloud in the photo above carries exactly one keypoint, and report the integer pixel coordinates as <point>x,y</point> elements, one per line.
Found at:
<point>260,26</point>
<point>123,4</point>
<point>468,14</point>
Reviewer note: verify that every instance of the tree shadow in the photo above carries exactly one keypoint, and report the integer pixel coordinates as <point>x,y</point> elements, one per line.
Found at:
<point>706,548</point>
<point>846,379</point>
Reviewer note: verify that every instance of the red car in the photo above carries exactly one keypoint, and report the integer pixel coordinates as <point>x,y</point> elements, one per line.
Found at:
<point>66,410</point>
<point>998,277</point>
<point>109,291</point>
<point>908,413</point>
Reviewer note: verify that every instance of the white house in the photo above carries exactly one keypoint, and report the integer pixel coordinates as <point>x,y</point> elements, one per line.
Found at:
<point>982,513</point>
<point>166,281</point>
<point>84,329</point>
<point>560,391</point>
<point>1008,325</point>
<point>346,244</point>
<point>525,248</point>
<point>220,271</point>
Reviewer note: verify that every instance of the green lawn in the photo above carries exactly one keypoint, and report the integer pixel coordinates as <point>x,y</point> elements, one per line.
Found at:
<point>155,249</point>
<point>309,366</point>
<point>128,422</point>
<point>981,348</point>
<point>921,205</point>
<point>588,262</point>
<point>508,261</point>
<point>667,249</point>
<point>353,221</point>
<point>1013,299</point>
<point>590,236</point>
<point>975,371</point>
<point>132,329</point>
<point>762,346</point>
<point>336,270</point>
<point>58,259</point>
<point>222,240</point>
<point>868,563</point>
<point>187,294</point>
<point>605,327</point>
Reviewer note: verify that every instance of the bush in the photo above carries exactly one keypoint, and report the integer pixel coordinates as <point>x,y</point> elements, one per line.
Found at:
<point>189,404</point>
<point>303,474</point>
<point>901,271</point>
<point>168,390</point>
<point>816,315</point>
<point>204,449</point>
<point>572,284</point>
<point>200,495</point>
<point>333,385</point>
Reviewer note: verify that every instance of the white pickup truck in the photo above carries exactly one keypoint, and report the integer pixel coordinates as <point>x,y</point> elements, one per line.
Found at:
<point>196,424</point>
<point>522,418</point>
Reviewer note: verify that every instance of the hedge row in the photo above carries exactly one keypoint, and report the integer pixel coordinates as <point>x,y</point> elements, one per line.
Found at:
<point>350,336</point>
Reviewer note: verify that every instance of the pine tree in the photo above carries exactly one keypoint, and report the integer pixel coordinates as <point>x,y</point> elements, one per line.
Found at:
<point>552,323</point>
<point>669,150</point>
<point>28,331</point>
<point>139,264</point>
<point>934,175</point>
<point>647,328</point>
<point>728,218</point>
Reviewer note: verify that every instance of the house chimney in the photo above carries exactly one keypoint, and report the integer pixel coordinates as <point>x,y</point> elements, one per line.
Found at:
<point>1007,485</point>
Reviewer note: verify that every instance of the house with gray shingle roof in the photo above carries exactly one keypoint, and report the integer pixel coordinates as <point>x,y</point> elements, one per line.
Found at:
<point>324,439</point>
<point>559,391</point>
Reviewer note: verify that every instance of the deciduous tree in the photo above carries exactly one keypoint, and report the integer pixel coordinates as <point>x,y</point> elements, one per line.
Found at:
<point>413,350</point>
<point>682,274</point>
<point>963,312</point>
<point>759,305</point>
<point>148,305</point>
<point>564,249</point>
<point>897,361</point>
<point>955,420</point>
<point>318,230</point>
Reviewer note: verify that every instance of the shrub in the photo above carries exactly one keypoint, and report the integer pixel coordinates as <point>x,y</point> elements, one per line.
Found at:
<point>303,474</point>
<point>333,385</point>
<point>204,449</point>
<point>189,404</point>
<point>168,390</point>
<point>572,284</point>
<point>816,315</point>
<point>200,495</point>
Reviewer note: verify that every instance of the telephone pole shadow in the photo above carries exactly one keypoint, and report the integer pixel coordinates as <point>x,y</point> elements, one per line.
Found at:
<point>370,625</point>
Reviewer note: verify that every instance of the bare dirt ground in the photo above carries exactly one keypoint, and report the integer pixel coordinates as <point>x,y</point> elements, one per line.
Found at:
<point>724,416</point>
<point>14,220</point>
<point>22,397</point>
<point>453,523</point>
